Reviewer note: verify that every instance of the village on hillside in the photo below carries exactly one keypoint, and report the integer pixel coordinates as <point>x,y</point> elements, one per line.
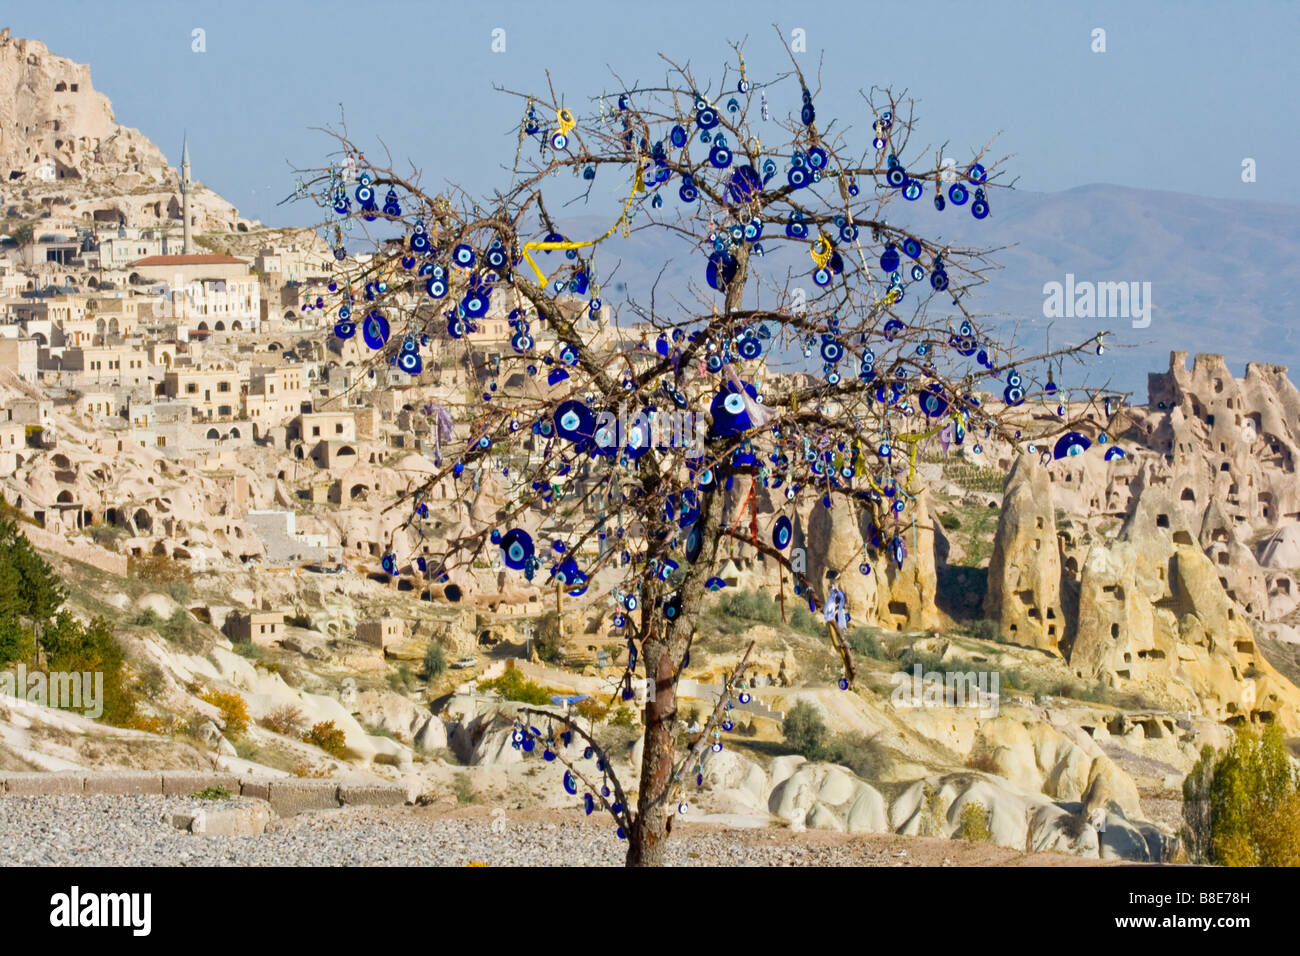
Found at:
<point>183,433</point>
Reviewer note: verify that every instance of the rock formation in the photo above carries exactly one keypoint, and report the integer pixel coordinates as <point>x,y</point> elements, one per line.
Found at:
<point>1024,584</point>
<point>51,116</point>
<point>1152,612</point>
<point>59,140</point>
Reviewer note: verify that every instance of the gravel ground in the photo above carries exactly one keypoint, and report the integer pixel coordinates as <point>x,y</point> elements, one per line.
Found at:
<point>130,831</point>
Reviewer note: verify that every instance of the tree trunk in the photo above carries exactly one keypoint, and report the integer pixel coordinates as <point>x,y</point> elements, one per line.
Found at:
<point>648,840</point>
<point>662,654</point>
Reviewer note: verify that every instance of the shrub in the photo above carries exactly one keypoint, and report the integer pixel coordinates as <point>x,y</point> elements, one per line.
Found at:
<point>151,681</point>
<point>148,618</point>
<point>806,734</point>
<point>327,737</point>
<point>866,643</point>
<point>234,711</point>
<point>806,622</point>
<point>1241,806</point>
<point>949,521</point>
<point>932,820</point>
<point>69,645</point>
<point>805,731</point>
<point>212,793</point>
<point>150,724</point>
<point>287,720</point>
<point>402,679</point>
<point>178,626</point>
<point>547,638</point>
<point>435,661</point>
<point>856,752</point>
<point>513,685</point>
<point>973,823</point>
<point>735,609</point>
<point>160,569</point>
<point>254,652</point>
<point>986,630</point>
<point>623,716</point>
<point>591,709</point>
<point>749,606</point>
<point>463,787</point>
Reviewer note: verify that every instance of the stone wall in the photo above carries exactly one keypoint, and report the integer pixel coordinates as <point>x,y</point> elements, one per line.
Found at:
<point>287,796</point>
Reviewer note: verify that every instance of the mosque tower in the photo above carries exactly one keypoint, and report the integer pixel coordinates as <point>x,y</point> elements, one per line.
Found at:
<point>187,245</point>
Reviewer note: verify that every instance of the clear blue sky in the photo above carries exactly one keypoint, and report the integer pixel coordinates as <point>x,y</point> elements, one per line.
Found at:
<point>1183,93</point>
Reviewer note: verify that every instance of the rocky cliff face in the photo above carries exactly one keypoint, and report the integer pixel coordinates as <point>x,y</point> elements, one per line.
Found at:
<point>1153,614</point>
<point>61,145</point>
<point>1235,441</point>
<point>1206,557</point>
<point>51,117</point>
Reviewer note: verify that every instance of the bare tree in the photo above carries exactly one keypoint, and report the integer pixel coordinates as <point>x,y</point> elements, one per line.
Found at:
<point>821,346</point>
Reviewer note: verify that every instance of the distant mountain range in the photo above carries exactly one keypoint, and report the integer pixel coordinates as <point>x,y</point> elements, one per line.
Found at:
<point>1222,273</point>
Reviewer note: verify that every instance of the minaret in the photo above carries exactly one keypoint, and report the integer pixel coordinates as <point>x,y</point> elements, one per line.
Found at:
<point>187,245</point>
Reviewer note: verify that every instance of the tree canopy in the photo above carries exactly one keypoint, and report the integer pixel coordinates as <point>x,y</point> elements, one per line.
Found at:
<point>800,349</point>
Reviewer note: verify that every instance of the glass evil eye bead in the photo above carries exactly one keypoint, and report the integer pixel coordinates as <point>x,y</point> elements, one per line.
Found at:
<point>889,258</point>
<point>517,548</point>
<point>410,362</point>
<point>912,190</point>
<point>1070,445</point>
<point>957,194</point>
<point>977,173</point>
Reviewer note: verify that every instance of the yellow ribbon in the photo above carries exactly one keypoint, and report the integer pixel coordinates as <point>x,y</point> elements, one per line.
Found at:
<point>823,243</point>
<point>913,441</point>
<point>529,247</point>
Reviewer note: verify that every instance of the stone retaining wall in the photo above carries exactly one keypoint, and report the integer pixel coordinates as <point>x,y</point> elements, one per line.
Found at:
<point>83,551</point>
<point>287,795</point>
